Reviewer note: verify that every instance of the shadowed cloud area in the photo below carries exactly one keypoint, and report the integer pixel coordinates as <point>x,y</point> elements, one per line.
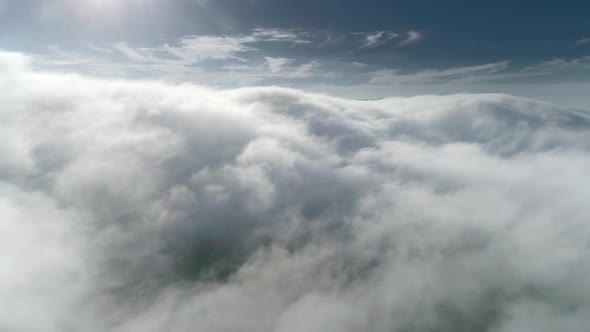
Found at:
<point>143,206</point>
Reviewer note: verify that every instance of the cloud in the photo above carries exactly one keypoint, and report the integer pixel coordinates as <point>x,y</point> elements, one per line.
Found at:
<point>99,49</point>
<point>142,206</point>
<point>305,70</point>
<point>282,35</point>
<point>60,57</point>
<point>276,64</point>
<point>390,76</point>
<point>195,49</point>
<point>133,54</point>
<point>378,38</point>
<point>560,65</point>
<point>581,42</point>
<point>412,37</point>
<point>186,57</point>
<point>191,50</point>
<point>278,68</point>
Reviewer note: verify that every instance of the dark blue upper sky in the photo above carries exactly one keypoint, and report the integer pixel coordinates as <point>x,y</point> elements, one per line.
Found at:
<point>423,46</point>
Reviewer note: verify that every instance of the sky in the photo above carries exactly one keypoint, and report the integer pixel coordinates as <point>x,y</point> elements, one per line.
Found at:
<point>354,49</point>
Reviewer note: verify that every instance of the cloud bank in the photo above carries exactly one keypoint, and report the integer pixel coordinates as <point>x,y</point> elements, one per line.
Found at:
<point>141,206</point>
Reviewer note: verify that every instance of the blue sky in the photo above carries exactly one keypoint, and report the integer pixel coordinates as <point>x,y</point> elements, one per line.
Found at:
<point>356,49</point>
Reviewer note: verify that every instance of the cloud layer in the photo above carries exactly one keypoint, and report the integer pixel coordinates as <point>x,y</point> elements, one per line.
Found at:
<point>140,206</point>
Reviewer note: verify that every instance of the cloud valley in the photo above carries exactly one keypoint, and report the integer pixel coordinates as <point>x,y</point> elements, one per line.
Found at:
<point>142,206</point>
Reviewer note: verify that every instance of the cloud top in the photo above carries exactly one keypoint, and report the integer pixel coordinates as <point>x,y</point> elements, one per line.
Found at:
<point>141,206</point>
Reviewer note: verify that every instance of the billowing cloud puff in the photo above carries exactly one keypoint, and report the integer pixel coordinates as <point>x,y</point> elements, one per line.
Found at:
<point>140,206</point>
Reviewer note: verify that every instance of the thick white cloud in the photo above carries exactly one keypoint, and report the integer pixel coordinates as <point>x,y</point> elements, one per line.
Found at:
<point>140,206</point>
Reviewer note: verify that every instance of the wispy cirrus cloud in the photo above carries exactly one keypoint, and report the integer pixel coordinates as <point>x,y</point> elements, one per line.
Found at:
<point>277,64</point>
<point>195,49</point>
<point>560,65</point>
<point>582,41</point>
<point>484,72</point>
<point>135,54</point>
<point>305,70</point>
<point>277,68</point>
<point>291,57</point>
<point>282,35</point>
<point>189,50</point>
<point>388,76</point>
<point>378,38</point>
<point>412,37</point>
<point>254,53</point>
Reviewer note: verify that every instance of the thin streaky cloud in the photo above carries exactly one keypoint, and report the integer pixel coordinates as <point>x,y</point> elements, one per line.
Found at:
<point>388,76</point>
<point>412,37</point>
<point>560,65</point>
<point>582,41</point>
<point>378,38</point>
